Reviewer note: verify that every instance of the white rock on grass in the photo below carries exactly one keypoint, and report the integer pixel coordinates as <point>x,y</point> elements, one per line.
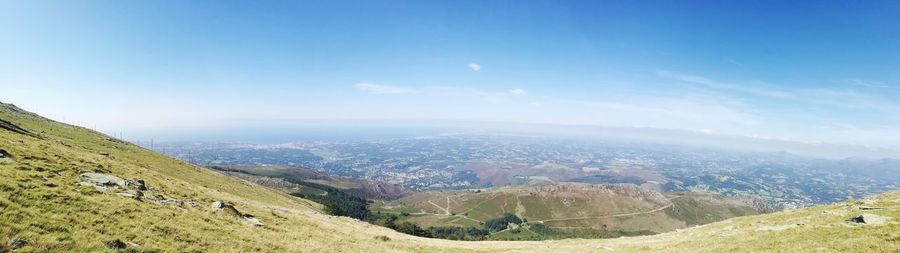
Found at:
<point>101,181</point>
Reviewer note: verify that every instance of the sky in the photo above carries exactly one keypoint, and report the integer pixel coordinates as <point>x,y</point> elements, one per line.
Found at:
<point>808,71</point>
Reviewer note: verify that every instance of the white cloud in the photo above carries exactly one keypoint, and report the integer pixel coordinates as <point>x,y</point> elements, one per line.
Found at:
<point>755,90</point>
<point>868,83</point>
<point>809,97</point>
<point>475,67</point>
<point>517,92</point>
<point>676,113</point>
<point>382,89</point>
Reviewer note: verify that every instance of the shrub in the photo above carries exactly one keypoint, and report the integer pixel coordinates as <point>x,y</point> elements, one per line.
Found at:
<point>502,222</point>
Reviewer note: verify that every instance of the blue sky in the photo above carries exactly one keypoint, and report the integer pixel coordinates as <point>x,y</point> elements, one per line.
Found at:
<point>814,72</point>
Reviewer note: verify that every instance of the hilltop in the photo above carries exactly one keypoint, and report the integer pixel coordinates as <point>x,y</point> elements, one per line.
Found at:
<point>65,188</point>
<point>570,209</point>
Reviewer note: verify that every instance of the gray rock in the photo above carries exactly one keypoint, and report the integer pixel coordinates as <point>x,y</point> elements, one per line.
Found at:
<point>101,181</point>
<point>17,244</point>
<point>136,184</point>
<point>131,194</point>
<point>232,211</point>
<point>159,199</point>
<point>253,220</point>
<point>868,219</point>
<point>116,244</point>
<point>5,157</point>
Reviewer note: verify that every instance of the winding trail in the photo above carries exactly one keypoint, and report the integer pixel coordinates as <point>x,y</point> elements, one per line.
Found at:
<point>439,207</point>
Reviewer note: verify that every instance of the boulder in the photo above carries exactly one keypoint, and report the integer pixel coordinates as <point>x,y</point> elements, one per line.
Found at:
<point>116,244</point>
<point>17,244</point>
<point>868,219</point>
<point>5,156</point>
<point>231,211</point>
<point>253,220</point>
<point>136,184</point>
<point>101,181</point>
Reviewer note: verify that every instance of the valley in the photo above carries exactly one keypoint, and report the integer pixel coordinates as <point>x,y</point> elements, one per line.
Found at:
<point>469,161</point>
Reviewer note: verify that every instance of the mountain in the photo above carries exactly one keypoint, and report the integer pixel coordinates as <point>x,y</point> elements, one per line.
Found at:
<point>65,188</point>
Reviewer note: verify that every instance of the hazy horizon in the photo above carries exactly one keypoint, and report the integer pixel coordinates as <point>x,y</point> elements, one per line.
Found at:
<point>364,131</point>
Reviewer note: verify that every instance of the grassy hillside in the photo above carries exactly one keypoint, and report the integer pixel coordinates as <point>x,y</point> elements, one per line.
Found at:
<point>624,209</point>
<point>43,208</point>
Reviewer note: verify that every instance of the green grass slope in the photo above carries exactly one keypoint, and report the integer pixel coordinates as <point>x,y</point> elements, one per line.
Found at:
<point>44,209</point>
<point>568,206</point>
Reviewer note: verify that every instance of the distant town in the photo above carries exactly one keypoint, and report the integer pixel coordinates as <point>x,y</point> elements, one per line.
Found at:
<point>479,161</point>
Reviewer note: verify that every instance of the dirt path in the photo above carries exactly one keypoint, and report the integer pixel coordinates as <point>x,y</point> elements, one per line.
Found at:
<point>448,206</point>
<point>446,210</point>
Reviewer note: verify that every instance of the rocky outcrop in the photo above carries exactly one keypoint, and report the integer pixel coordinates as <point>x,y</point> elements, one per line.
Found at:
<point>252,220</point>
<point>232,211</point>
<point>5,156</point>
<point>137,184</point>
<point>17,244</point>
<point>100,181</point>
<point>130,188</point>
<point>868,219</point>
<point>16,129</point>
